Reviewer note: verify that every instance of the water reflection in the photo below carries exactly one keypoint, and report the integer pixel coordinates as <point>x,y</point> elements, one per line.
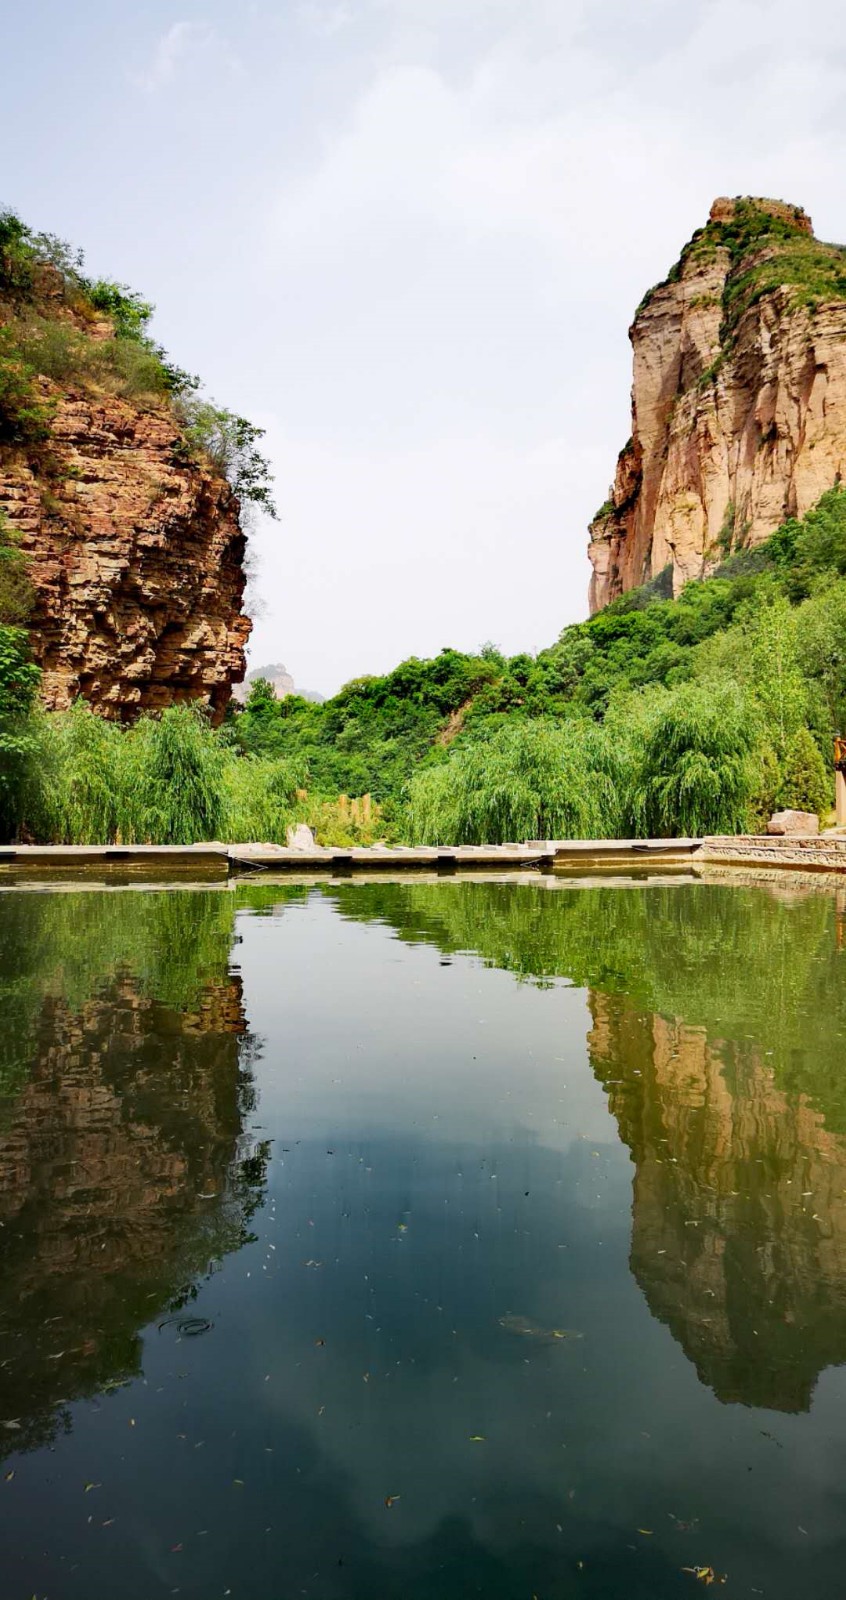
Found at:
<point>719,1016</point>
<point>124,1169</point>
<point>738,1205</point>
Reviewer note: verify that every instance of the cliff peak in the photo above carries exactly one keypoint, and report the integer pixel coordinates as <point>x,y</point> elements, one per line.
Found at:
<point>738,399</point>
<point>726,210</point>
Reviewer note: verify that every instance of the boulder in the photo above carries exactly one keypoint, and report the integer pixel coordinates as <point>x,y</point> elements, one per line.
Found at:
<point>300,837</point>
<point>782,822</point>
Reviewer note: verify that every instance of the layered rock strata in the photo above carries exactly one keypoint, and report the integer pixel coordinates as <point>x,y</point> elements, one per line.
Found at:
<point>136,559</point>
<point>133,537</point>
<point>738,399</point>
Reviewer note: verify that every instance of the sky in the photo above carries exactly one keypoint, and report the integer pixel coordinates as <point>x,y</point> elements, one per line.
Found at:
<point>406,237</point>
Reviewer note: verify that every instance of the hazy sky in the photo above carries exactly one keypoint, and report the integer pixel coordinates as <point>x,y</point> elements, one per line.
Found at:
<point>407,237</point>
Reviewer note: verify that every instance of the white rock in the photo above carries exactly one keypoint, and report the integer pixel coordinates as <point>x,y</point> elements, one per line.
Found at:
<point>300,837</point>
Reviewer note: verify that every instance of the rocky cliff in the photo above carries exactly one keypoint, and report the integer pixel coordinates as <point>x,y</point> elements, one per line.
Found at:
<point>133,538</point>
<point>738,399</point>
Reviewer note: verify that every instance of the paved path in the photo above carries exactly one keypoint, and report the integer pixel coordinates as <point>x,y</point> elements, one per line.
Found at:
<point>219,860</point>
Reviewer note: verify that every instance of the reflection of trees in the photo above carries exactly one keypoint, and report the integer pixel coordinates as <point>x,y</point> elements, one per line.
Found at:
<point>124,1171</point>
<point>719,1014</point>
<point>737,961</point>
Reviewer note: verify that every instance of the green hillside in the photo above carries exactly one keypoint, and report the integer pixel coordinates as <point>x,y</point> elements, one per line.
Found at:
<point>656,717</point>
<point>743,677</point>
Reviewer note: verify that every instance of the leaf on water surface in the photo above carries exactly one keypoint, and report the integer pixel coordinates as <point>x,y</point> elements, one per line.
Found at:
<point>9,1477</point>
<point>320,1341</point>
<point>239,1481</point>
<point>391,1500</point>
<point>90,1486</point>
<point>477,1438</point>
<point>647,1531</point>
<point>706,1575</point>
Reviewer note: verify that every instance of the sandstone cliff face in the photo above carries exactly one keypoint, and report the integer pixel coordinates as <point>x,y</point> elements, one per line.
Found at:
<point>738,400</point>
<point>133,539</point>
<point>136,559</point>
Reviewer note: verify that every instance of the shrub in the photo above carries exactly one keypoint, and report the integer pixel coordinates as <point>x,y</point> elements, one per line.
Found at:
<point>81,796</point>
<point>16,592</point>
<point>176,771</point>
<point>231,444</point>
<point>695,772</point>
<point>259,799</point>
<point>804,781</point>
<point>24,415</point>
<point>530,780</point>
<point>19,680</point>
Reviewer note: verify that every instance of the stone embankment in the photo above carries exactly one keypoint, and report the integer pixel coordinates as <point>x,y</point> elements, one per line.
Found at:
<point>753,852</point>
<point>811,853</point>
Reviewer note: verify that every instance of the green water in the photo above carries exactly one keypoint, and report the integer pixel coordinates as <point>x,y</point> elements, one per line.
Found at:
<point>403,1240</point>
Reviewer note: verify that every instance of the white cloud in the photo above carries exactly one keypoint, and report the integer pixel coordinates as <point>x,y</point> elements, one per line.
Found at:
<point>182,44</point>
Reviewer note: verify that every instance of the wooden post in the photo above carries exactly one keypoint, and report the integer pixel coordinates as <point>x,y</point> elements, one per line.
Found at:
<point>840,781</point>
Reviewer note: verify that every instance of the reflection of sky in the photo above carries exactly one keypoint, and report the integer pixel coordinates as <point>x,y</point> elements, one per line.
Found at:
<point>442,1150</point>
<point>364,1036</point>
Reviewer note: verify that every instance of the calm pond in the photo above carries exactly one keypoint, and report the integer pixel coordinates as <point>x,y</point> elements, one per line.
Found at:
<point>402,1240</point>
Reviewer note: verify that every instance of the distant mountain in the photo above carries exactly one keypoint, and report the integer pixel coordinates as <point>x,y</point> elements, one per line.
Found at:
<point>277,674</point>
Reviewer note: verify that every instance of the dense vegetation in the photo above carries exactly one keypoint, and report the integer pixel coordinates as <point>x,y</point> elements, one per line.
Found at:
<point>655,717</point>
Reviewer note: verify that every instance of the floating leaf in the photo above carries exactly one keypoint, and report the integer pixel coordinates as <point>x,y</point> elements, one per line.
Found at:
<point>706,1575</point>
<point>477,1438</point>
<point>391,1500</point>
<point>90,1486</point>
<point>9,1477</point>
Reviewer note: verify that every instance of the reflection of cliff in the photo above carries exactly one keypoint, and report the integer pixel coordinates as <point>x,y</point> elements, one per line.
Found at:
<point>738,1207</point>
<point>123,1176</point>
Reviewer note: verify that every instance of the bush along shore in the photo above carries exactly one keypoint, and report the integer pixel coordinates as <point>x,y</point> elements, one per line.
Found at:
<point>656,717</point>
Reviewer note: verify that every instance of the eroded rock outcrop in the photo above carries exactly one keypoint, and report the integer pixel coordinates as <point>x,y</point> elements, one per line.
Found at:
<point>133,537</point>
<point>738,399</point>
<point>136,559</point>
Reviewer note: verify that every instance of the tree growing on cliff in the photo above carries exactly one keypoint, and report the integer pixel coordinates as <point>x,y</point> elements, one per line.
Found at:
<point>231,444</point>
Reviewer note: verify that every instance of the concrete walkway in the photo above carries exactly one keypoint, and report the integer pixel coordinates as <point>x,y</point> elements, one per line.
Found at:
<point>220,860</point>
<point>216,862</point>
